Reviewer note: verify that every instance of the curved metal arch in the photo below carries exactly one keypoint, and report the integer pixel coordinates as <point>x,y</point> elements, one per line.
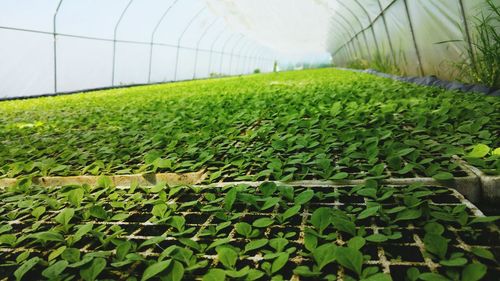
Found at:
<point>355,34</point>
<point>243,55</point>
<point>193,19</point>
<point>347,31</point>
<point>115,30</point>
<point>224,48</point>
<point>360,25</point>
<point>205,32</point>
<point>54,29</point>
<point>387,31</point>
<point>232,53</point>
<point>371,27</point>
<point>153,36</point>
<point>212,48</point>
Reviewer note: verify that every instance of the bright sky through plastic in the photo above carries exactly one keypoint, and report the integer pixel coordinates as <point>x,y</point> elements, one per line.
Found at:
<point>284,25</point>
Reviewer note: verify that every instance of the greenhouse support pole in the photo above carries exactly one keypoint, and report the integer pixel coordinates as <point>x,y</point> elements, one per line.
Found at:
<point>114,41</point>
<point>419,61</point>
<point>198,46</point>
<point>371,25</point>
<point>361,28</point>
<point>348,33</point>
<point>382,13</point>
<point>54,33</point>
<point>232,53</point>
<point>180,39</point>
<point>223,50</point>
<point>354,36</point>
<point>153,37</point>
<point>467,32</point>
<point>212,49</point>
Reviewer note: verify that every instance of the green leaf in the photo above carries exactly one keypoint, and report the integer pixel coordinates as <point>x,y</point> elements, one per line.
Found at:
<point>321,218</point>
<point>155,269</point>
<point>55,270</point>
<point>175,272</point>
<point>408,214</point>
<point>267,188</point>
<point>227,256</point>
<point>215,274</point>
<point>484,219</point>
<point>368,212</point>
<point>483,253</point>
<point>91,270</point>
<point>454,262</point>
<point>356,242</point>
<point>304,197</point>
<point>65,216</point>
<point>324,254</point>
<point>339,176</point>
<point>269,203</point>
<point>496,151</point>
<point>479,150</point>
<point>378,277</point>
<point>71,255</point>
<point>75,197</point>
<point>230,198</point>
<point>38,211</point>
<point>474,272</point>
<point>443,176</point>
<point>290,212</point>
<point>263,222</point>
<point>436,244</point>
<point>350,258</point>
<point>98,211</point>
<point>430,276</point>
<point>57,252</point>
<point>279,262</point>
<point>377,238</point>
<point>243,228</point>
<point>25,267</point>
<point>255,244</point>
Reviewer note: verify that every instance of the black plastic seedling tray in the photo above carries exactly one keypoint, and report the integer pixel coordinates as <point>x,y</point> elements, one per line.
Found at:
<point>393,257</point>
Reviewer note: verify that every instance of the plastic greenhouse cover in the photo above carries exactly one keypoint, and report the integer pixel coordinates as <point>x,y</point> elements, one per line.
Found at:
<point>53,46</point>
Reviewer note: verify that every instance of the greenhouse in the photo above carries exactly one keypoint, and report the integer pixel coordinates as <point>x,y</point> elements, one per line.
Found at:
<point>250,140</point>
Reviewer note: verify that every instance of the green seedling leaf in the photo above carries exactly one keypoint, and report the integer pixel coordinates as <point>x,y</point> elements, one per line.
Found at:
<point>215,274</point>
<point>218,242</point>
<point>430,276</point>
<point>230,198</point>
<point>290,212</point>
<point>75,197</point>
<point>339,176</point>
<point>305,271</point>
<point>55,270</point>
<point>350,258</point>
<point>484,219</point>
<point>263,222</point>
<point>443,176</point>
<point>57,252</point>
<point>479,151</point>
<point>344,225</point>
<point>408,214</point>
<point>244,229</point>
<point>483,253</point>
<point>178,222</point>
<point>368,212</point>
<point>227,256</point>
<point>65,216</point>
<point>91,270</point>
<point>270,202</point>
<point>278,244</point>
<point>98,211</point>
<point>356,242</point>
<point>436,244</point>
<point>454,262</point>
<point>321,218</point>
<point>324,254</point>
<point>38,211</point>
<point>155,269</point>
<point>25,267</point>
<point>434,228</point>
<point>304,197</point>
<point>279,262</point>
<point>473,272</point>
<point>377,238</point>
<point>175,272</point>
<point>268,188</point>
<point>255,244</point>
<point>71,255</point>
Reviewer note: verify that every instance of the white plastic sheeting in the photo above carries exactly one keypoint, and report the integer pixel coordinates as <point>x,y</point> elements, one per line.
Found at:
<point>52,46</point>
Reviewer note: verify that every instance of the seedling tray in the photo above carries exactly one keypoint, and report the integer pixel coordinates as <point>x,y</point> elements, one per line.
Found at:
<point>205,210</point>
<point>490,185</point>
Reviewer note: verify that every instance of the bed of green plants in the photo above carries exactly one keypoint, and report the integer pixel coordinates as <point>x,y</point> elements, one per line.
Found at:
<point>239,232</point>
<point>323,124</point>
